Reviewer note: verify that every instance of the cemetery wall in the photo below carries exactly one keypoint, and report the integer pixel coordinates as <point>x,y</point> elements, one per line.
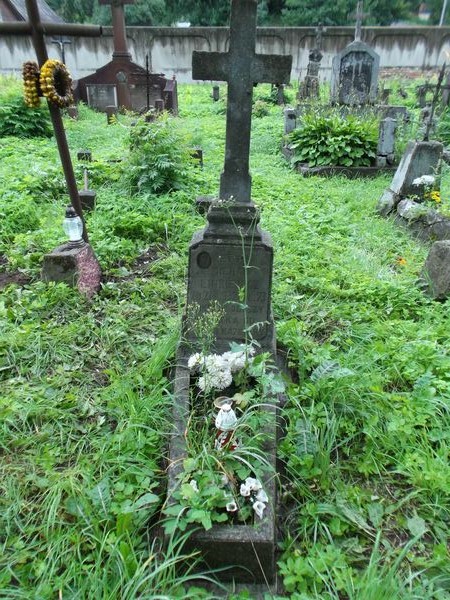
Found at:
<point>170,49</point>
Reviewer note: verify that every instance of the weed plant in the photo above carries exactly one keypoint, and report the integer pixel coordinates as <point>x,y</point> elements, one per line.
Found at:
<point>84,398</point>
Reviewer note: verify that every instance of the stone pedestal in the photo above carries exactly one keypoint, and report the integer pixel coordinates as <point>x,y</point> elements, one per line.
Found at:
<point>290,120</point>
<point>75,265</point>
<point>87,199</point>
<point>72,112</point>
<point>111,114</point>
<point>229,260</point>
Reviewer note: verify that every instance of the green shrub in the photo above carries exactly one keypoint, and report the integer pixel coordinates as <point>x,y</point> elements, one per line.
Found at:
<point>443,128</point>
<point>136,226</point>
<point>159,156</point>
<point>18,120</point>
<point>260,109</point>
<point>334,140</point>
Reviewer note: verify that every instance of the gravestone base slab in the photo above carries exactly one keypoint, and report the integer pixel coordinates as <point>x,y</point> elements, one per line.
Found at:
<point>75,265</point>
<point>247,552</point>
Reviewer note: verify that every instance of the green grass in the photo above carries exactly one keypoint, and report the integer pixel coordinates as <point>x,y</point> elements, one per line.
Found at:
<point>85,398</point>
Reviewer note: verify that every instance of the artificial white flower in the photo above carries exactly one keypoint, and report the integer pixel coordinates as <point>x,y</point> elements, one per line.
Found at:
<point>244,490</point>
<point>238,360</point>
<point>253,484</point>
<point>262,496</point>
<point>214,363</point>
<point>259,508</point>
<point>231,506</point>
<point>195,361</point>
<point>215,381</point>
<point>193,485</point>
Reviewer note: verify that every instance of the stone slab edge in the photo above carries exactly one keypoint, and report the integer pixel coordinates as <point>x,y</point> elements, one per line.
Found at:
<point>240,548</point>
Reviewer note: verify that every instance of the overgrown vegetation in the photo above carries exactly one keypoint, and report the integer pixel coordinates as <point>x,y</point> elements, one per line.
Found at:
<point>332,139</point>
<point>85,396</point>
<point>16,119</point>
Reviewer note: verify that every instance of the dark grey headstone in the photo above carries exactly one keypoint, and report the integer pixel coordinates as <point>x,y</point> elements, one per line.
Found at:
<point>354,77</point>
<point>216,273</point>
<point>290,120</point>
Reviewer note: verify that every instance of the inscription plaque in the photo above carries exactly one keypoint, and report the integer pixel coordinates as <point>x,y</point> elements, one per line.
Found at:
<point>218,271</point>
<point>100,96</point>
<point>355,77</point>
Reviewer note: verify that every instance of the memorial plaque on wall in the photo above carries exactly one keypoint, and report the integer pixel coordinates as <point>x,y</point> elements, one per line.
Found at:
<point>101,95</point>
<point>138,95</point>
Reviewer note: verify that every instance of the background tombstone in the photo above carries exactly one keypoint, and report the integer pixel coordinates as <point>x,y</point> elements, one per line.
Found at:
<point>386,142</point>
<point>354,75</point>
<point>420,158</point>
<point>435,277</point>
<point>310,86</point>
<point>123,83</point>
<point>290,120</point>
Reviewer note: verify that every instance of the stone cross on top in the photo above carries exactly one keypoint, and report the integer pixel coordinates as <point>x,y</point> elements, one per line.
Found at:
<point>241,67</point>
<point>319,32</point>
<point>118,24</point>
<point>359,19</point>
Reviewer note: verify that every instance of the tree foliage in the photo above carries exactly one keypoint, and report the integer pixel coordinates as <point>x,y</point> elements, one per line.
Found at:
<point>217,12</point>
<point>343,12</point>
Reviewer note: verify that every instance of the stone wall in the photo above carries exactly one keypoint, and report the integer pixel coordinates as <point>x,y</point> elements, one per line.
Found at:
<point>170,49</point>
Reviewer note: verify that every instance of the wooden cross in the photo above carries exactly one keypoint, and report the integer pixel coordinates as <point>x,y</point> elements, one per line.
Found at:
<point>241,67</point>
<point>118,24</point>
<point>37,30</point>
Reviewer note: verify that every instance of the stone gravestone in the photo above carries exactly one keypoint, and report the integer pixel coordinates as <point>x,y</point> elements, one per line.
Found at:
<point>216,261</point>
<point>420,158</point>
<point>354,76</point>
<point>231,253</point>
<point>309,88</point>
<point>435,277</point>
<point>386,142</point>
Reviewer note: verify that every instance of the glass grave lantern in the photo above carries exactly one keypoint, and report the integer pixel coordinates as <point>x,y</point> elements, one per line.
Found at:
<point>73,227</point>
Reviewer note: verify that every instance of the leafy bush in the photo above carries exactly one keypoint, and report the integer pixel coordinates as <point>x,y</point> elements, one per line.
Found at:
<point>443,128</point>
<point>159,156</point>
<point>334,140</point>
<point>136,226</point>
<point>260,109</point>
<point>18,120</point>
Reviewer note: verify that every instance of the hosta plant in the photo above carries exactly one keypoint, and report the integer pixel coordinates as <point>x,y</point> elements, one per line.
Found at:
<point>334,140</point>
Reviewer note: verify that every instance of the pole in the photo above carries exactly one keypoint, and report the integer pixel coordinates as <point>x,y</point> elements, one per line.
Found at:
<point>55,114</point>
<point>444,8</point>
